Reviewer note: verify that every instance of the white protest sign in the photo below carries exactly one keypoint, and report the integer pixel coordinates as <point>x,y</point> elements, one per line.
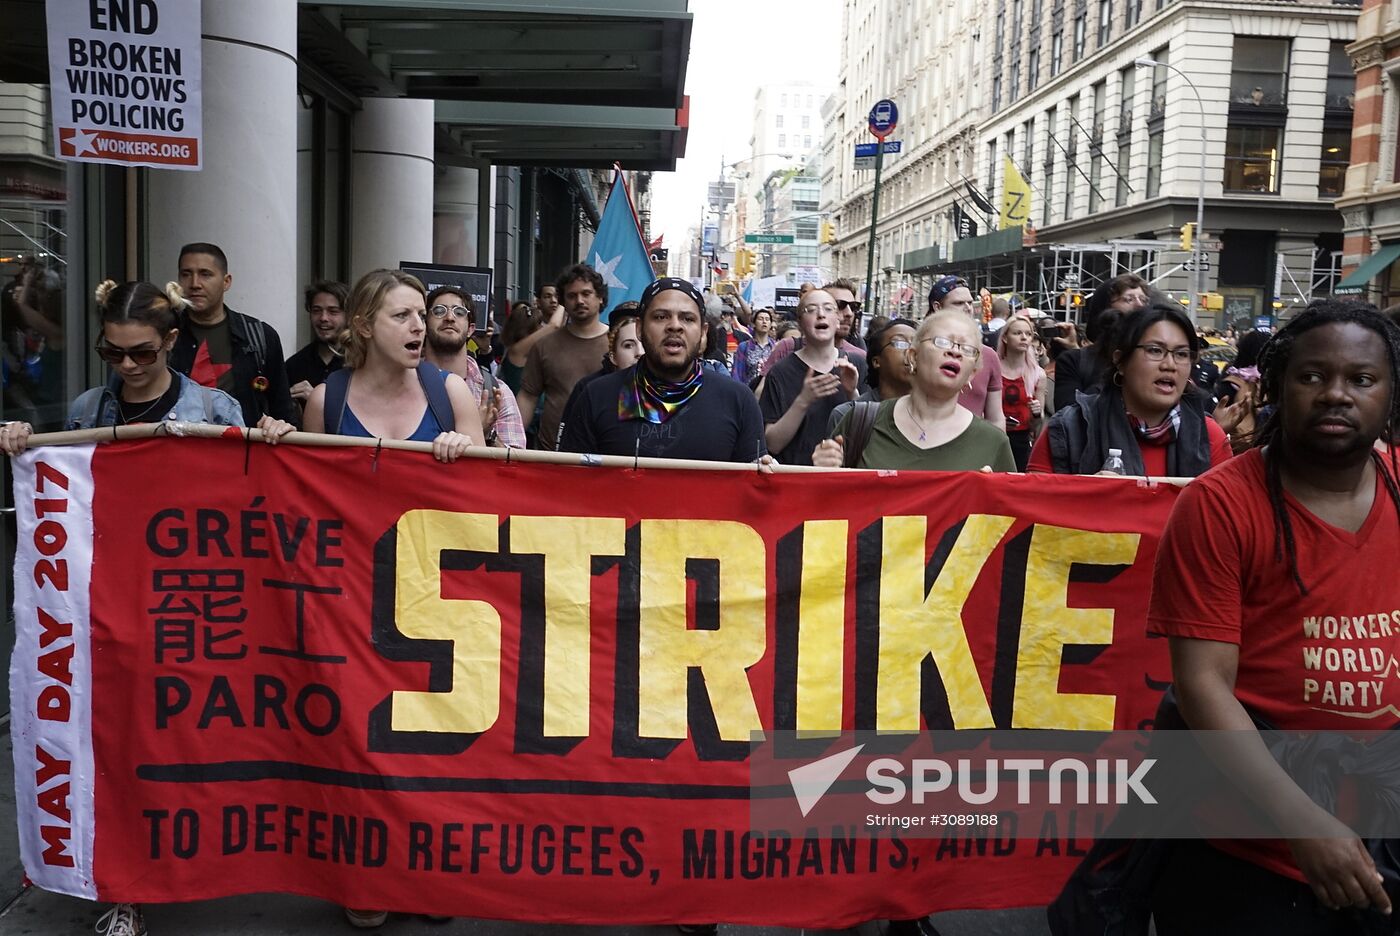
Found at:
<point>125,77</point>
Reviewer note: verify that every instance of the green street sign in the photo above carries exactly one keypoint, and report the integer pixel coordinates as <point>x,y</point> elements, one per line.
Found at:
<point>768,238</point>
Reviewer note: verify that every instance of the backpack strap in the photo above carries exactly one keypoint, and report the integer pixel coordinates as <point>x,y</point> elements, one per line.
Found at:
<point>253,329</point>
<point>434,384</point>
<point>337,389</point>
<point>863,413</point>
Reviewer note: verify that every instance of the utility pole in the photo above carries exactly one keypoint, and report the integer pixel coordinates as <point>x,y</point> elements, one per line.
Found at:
<point>874,220</point>
<point>884,117</point>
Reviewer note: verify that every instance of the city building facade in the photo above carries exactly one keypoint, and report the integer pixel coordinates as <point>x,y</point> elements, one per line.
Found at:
<point>1077,93</point>
<point>1370,205</point>
<point>339,138</point>
<point>925,56</point>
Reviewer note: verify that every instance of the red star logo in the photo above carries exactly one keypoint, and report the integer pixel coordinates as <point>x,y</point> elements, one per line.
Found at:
<point>205,372</point>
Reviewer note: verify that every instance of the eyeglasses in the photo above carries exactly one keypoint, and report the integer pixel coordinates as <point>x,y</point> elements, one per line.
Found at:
<point>1156,353</point>
<point>899,344</point>
<point>457,311</point>
<point>948,344</point>
<point>139,356</point>
<point>853,306</point>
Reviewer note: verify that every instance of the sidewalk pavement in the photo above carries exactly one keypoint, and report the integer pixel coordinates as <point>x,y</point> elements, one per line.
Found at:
<point>32,911</point>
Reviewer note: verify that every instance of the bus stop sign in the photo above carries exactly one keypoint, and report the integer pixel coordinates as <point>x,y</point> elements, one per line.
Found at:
<point>884,117</point>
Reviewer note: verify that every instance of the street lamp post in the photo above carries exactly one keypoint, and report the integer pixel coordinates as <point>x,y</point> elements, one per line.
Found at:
<point>723,166</point>
<point>1198,273</point>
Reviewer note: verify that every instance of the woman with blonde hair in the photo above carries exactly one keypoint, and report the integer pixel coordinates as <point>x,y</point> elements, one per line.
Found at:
<point>926,429</point>
<point>386,390</point>
<point>1020,378</point>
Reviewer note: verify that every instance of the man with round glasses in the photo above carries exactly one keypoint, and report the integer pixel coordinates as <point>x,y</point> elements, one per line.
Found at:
<point>451,318</point>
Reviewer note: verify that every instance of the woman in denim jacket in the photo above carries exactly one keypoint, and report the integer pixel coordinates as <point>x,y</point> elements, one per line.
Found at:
<point>138,331</point>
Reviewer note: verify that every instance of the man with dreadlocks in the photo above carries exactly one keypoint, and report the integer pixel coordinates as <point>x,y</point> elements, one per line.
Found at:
<point>1275,583</point>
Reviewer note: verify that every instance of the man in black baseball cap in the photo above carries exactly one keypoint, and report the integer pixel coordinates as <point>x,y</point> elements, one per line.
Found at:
<point>666,405</point>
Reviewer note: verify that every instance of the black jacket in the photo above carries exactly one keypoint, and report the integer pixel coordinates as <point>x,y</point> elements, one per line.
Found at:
<point>1081,435</point>
<point>257,353</point>
<point>1077,370</point>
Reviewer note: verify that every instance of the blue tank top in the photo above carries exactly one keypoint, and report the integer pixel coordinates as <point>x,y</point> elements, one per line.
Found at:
<point>427,430</point>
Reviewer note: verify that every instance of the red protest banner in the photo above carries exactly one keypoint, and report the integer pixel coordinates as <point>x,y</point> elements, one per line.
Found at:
<point>371,678</point>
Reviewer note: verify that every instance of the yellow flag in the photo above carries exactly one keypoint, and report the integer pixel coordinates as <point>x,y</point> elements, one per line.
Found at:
<point>1015,197</point>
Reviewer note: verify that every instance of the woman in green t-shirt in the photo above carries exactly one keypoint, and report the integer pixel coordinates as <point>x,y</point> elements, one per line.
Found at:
<point>927,430</point>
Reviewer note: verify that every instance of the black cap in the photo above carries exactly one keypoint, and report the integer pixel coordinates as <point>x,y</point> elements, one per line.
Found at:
<point>672,282</point>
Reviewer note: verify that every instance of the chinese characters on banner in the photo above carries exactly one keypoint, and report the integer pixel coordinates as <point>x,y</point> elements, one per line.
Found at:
<point>322,671</point>
<point>125,78</point>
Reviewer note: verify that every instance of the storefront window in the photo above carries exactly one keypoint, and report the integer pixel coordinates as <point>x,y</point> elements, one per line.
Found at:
<point>41,335</point>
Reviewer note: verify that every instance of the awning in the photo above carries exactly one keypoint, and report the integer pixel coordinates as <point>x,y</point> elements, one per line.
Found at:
<point>922,260</point>
<point>581,84</point>
<point>1373,266</point>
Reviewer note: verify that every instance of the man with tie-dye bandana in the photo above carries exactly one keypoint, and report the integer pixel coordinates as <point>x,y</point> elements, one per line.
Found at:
<point>666,405</point>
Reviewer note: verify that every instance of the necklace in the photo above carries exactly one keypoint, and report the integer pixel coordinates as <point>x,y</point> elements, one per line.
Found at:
<point>909,411</point>
<point>137,417</point>
<point>121,416</point>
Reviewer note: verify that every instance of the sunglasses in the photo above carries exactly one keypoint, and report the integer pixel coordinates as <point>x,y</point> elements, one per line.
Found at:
<point>843,305</point>
<point>139,356</point>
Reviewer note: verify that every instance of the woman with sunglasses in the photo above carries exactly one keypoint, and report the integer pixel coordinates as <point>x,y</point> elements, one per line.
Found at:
<point>926,429</point>
<point>138,331</point>
<point>1148,410</point>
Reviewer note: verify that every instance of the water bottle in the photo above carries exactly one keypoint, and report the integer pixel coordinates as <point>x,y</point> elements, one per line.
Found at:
<point>1114,462</point>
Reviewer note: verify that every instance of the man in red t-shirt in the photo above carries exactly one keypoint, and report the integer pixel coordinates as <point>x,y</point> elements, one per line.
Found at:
<point>1276,587</point>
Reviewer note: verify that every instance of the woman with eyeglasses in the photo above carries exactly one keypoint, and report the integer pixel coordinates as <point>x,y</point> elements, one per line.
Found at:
<point>1148,410</point>
<point>926,429</point>
<point>138,331</point>
<point>887,340</point>
<point>1020,378</point>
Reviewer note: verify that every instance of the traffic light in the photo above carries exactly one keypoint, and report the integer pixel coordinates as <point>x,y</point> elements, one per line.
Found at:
<point>1188,233</point>
<point>743,262</point>
<point>828,232</point>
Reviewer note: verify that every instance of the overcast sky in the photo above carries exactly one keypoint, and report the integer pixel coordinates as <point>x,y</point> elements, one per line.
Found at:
<point>736,46</point>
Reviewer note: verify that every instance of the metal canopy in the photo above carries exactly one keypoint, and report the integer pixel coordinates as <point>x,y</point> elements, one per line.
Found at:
<point>540,82</point>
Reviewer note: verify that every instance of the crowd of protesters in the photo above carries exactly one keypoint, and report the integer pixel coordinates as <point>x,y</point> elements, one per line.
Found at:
<point>1293,440</point>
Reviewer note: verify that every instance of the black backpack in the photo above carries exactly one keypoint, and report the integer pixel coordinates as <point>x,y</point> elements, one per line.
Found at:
<point>434,388</point>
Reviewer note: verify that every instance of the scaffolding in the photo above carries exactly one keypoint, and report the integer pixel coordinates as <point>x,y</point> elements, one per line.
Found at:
<point>1083,268</point>
<point>1324,273</point>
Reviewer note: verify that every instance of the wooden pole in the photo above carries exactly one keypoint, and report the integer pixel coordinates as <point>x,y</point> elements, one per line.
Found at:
<point>313,439</point>
<point>317,440</point>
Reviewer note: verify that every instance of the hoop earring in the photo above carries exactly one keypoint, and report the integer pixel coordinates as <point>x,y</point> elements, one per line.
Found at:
<point>1118,379</point>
